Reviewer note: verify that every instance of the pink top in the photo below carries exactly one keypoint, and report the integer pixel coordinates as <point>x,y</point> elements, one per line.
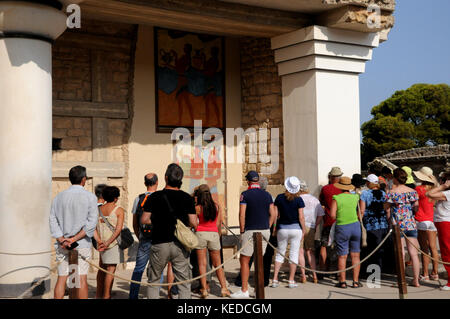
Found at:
<point>210,225</point>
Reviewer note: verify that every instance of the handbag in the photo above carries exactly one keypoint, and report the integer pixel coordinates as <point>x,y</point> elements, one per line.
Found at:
<point>183,233</point>
<point>124,240</point>
<point>363,229</point>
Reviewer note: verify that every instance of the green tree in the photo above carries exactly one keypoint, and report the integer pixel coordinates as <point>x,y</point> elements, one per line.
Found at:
<point>416,117</point>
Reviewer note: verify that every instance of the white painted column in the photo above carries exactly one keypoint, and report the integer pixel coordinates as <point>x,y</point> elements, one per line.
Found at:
<point>319,67</point>
<point>26,33</point>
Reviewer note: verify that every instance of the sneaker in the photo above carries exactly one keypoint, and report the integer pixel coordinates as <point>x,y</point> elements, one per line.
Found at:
<point>240,294</point>
<point>292,284</point>
<point>445,288</point>
<point>275,283</point>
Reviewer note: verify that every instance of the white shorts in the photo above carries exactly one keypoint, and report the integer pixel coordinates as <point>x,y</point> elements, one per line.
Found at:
<point>426,225</point>
<point>62,256</point>
<point>248,235</point>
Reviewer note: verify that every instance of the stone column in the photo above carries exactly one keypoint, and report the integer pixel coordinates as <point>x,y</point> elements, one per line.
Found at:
<point>319,67</point>
<point>27,30</point>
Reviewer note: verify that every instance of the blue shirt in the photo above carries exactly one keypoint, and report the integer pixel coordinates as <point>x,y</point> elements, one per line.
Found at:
<point>73,210</point>
<point>288,210</point>
<point>257,212</point>
<point>374,215</point>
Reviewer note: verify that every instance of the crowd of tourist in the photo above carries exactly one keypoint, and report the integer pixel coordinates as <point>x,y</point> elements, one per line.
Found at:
<point>351,216</point>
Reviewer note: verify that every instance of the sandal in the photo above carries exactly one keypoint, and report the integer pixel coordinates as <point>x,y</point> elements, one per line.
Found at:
<point>424,278</point>
<point>357,284</point>
<point>303,280</point>
<point>434,277</point>
<point>204,293</point>
<point>225,292</point>
<point>342,284</point>
<point>275,283</point>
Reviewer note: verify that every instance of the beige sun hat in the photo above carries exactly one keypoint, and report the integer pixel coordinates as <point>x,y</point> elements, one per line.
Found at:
<point>425,174</point>
<point>335,171</point>
<point>345,183</point>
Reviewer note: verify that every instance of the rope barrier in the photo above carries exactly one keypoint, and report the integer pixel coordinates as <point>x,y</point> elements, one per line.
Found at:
<point>326,272</point>
<point>438,260</point>
<point>336,271</point>
<point>37,283</point>
<point>166,284</point>
<point>28,254</point>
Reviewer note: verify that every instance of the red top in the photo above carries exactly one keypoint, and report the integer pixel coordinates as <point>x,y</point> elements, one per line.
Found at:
<point>210,225</point>
<point>326,198</point>
<point>426,206</point>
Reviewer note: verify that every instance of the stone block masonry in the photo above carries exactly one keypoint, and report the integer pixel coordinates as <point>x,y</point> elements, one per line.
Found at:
<point>261,103</point>
<point>92,104</point>
<point>92,90</point>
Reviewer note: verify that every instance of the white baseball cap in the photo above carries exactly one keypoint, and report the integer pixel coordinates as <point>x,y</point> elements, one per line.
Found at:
<point>372,178</point>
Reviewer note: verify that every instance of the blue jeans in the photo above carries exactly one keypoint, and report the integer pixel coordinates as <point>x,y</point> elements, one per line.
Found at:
<point>142,257</point>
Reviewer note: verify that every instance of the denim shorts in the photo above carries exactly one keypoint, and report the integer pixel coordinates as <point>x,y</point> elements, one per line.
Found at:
<point>348,237</point>
<point>409,233</point>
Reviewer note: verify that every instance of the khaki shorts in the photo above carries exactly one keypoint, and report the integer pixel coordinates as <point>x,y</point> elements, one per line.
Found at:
<point>208,239</point>
<point>62,256</point>
<point>308,238</point>
<point>248,235</point>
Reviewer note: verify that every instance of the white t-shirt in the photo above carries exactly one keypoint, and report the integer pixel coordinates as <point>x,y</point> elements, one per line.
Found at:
<point>442,209</point>
<point>312,209</point>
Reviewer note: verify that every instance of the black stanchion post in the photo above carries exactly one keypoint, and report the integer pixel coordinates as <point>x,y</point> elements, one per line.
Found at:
<point>73,271</point>
<point>399,262</point>
<point>259,268</point>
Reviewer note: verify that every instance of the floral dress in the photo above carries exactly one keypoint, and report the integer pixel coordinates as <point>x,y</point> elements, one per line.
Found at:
<point>402,209</point>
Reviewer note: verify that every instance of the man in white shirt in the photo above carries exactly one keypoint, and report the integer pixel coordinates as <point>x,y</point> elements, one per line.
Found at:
<point>73,218</point>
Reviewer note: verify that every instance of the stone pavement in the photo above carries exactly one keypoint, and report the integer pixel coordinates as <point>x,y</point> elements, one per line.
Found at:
<point>324,290</point>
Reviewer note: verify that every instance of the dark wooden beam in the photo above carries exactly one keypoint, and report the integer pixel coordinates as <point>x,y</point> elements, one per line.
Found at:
<point>90,109</point>
<point>203,16</point>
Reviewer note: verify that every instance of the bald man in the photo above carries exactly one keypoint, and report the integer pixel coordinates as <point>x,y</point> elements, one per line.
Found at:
<point>142,257</point>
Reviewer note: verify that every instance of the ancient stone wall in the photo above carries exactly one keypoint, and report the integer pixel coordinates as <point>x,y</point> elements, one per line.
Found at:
<point>92,103</point>
<point>261,98</point>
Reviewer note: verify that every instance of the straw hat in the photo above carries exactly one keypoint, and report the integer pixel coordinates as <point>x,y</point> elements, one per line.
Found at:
<point>345,183</point>
<point>292,184</point>
<point>425,174</point>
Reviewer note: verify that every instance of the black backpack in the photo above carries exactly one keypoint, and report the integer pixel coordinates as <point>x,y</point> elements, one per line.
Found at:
<point>145,230</point>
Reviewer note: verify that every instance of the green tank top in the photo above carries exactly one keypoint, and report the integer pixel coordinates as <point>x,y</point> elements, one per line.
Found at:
<point>347,205</point>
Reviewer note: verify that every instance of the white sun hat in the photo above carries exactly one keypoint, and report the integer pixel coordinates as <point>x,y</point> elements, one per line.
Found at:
<point>292,184</point>
<point>372,178</point>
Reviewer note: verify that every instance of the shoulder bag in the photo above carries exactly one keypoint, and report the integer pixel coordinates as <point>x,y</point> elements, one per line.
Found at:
<point>125,239</point>
<point>363,229</point>
<point>182,232</point>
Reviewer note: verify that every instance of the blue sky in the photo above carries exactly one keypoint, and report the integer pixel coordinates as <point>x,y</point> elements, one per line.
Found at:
<point>417,51</point>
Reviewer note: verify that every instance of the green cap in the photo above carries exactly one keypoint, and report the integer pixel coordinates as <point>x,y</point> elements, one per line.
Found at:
<point>408,171</point>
